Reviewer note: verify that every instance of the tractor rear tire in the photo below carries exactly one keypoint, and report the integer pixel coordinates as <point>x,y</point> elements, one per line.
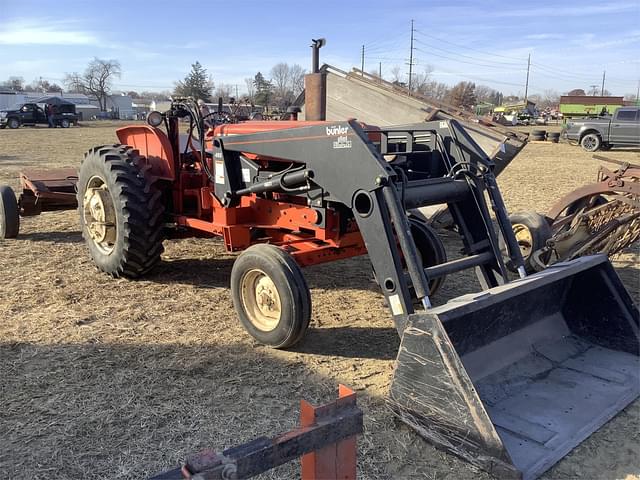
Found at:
<point>430,249</point>
<point>271,296</point>
<point>532,230</point>
<point>9,213</point>
<point>120,210</point>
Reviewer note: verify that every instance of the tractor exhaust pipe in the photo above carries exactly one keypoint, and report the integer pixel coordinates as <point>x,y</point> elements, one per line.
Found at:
<point>315,86</point>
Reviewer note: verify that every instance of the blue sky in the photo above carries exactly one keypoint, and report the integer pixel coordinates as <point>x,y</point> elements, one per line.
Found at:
<point>571,42</point>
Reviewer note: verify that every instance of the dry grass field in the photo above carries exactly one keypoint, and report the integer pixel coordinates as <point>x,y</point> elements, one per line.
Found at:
<point>104,378</point>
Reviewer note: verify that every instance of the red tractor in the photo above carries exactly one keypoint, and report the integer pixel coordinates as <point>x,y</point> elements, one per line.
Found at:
<point>288,194</point>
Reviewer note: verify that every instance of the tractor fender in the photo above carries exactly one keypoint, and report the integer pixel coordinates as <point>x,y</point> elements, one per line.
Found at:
<point>153,144</point>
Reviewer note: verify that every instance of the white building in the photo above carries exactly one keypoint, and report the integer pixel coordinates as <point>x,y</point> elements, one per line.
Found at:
<point>121,106</point>
<point>10,99</point>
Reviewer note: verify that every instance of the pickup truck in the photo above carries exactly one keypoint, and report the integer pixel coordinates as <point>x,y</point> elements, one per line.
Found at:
<point>32,114</point>
<point>621,129</point>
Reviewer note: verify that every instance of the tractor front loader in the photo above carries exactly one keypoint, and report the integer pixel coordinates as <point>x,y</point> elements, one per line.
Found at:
<point>510,379</point>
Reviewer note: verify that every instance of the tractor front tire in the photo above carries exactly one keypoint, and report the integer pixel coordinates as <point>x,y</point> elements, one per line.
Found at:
<point>9,213</point>
<point>532,230</point>
<point>430,249</point>
<point>121,211</point>
<point>271,296</point>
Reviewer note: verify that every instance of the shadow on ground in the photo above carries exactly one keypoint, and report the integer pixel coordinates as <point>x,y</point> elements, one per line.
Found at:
<point>351,342</point>
<point>53,237</point>
<point>152,404</point>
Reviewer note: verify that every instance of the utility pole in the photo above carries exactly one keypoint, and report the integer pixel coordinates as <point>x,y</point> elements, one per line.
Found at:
<point>638,94</point>
<point>526,85</point>
<point>411,58</point>
<point>362,67</point>
<point>380,71</point>
<point>604,72</point>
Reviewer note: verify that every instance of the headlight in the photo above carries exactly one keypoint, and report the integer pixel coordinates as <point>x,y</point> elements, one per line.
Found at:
<point>155,119</point>
<point>3,114</point>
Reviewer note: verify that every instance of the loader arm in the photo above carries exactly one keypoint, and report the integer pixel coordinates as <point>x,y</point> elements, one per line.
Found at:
<point>339,163</point>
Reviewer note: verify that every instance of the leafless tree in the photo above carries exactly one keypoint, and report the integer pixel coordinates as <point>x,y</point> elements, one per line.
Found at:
<point>296,77</point>
<point>550,99</point>
<point>436,90</point>
<point>421,80</point>
<point>42,85</point>
<point>484,93</point>
<point>96,80</point>
<point>280,79</point>
<point>223,90</point>
<point>157,96</point>
<point>251,91</point>
<point>288,82</point>
<point>14,83</point>
<point>396,75</point>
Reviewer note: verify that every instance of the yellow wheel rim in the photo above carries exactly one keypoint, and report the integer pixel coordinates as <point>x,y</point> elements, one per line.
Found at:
<point>99,215</point>
<point>524,238</point>
<point>261,300</point>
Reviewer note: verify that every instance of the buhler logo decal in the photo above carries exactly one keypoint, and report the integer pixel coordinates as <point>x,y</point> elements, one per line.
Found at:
<point>341,132</point>
<point>336,130</point>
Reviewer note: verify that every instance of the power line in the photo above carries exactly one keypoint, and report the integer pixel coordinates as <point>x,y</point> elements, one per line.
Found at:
<point>488,80</point>
<point>497,64</point>
<point>559,72</point>
<point>461,61</point>
<point>468,48</point>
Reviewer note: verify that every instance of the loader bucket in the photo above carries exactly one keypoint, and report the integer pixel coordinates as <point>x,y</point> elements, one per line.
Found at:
<point>515,377</point>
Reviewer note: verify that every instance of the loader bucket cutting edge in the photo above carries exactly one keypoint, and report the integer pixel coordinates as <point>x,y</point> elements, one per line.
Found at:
<point>514,378</point>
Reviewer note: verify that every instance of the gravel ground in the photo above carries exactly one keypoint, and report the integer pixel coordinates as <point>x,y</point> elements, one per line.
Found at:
<point>104,378</point>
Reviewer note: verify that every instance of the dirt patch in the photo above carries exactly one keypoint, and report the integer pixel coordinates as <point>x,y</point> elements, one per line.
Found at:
<point>103,378</point>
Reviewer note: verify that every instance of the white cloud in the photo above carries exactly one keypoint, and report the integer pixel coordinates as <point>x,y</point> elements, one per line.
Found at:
<point>544,36</point>
<point>44,32</point>
<point>569,10</point>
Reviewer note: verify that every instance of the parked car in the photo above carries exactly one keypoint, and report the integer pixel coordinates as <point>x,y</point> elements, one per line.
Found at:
<point>621,129</point>
<point>32,114</point>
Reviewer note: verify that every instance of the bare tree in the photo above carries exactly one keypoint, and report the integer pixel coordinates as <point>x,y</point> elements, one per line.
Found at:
<point>14,83</point>
<point>251,90</point>
<point>484,93</point>
<point>223,90</point>
<point>436,90</point>
<point>288,82</point>
<point>296,78</point>
<point>421,80</point>
<point>41,85</point>
<point>280,76</point>
<point>550,99</point>
<point>157,96</point>
<point>577,92</point>
<point>96,80</point>
<point>396,75</point>
<point>593,90</point>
